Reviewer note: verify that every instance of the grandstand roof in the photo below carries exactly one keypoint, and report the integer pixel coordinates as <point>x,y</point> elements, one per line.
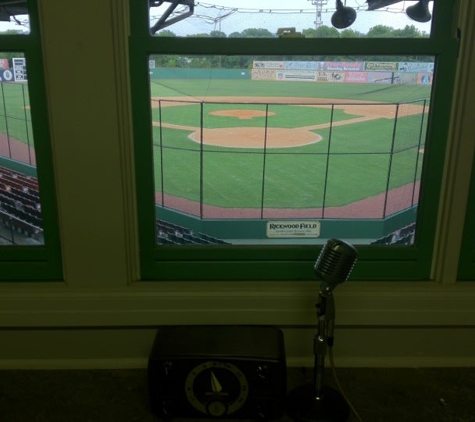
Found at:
<point>10,8</point>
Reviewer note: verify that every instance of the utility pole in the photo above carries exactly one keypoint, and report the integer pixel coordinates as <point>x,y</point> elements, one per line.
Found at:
<point>318,16</point>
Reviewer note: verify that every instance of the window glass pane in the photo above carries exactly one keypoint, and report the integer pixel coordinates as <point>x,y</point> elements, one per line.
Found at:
<point>20,207</point>
<point>14,18</point>
<point>280,145</point>
<point>299,18</point>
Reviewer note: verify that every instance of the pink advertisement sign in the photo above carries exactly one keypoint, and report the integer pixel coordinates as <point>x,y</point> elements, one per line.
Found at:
<point>343,66</point>
<point>356,77</point>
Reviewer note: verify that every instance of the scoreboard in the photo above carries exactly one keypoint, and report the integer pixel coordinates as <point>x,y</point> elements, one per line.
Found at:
<point>19,69</point>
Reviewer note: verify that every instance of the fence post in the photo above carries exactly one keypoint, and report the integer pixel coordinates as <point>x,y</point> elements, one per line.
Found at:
<point>6,122</point>
<point>330,132</point>
<point>264,161</point>
<point>390,160</point>
<point>201,158</point>
<point>26,124</point>
<point>418,152</point>
<point>160,131</point>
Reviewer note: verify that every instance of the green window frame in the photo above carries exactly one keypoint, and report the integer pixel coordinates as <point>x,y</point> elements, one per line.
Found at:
<point>42,262</point>
<point>161,262</point>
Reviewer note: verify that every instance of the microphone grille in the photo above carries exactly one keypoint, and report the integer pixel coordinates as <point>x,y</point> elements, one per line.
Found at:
<point>336,260</point>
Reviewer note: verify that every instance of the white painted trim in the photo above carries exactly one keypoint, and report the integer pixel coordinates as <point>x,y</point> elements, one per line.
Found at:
<point>290,304</point>
<point>459,156</point>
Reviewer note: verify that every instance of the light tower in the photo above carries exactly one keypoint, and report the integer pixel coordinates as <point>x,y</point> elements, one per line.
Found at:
<point>318,6</point>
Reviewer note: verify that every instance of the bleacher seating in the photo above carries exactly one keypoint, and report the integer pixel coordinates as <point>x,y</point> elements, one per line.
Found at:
<point>20,208</point>
<point>174,234</point>
<point>403,236</point>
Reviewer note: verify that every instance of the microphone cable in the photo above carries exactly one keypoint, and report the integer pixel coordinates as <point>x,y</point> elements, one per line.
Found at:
<point>332,364</point>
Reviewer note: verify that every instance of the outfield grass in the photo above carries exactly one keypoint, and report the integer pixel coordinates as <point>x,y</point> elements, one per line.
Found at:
<point>15,118</point>
<point>199,88</point>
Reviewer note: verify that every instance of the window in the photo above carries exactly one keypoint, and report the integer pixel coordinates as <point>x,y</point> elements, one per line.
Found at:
<point>279,131</point>
<point>29,240</point>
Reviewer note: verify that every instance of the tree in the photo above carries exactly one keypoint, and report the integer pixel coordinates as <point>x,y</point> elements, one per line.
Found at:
<point>410,31</point>
<point>166,33</point>
<point>321,32</point>
<point>351,33</point>
<point>231,62</point>
<point>257,33</point>
<point>202,35</point>
<point>380,31</point>
<point>217,34</point>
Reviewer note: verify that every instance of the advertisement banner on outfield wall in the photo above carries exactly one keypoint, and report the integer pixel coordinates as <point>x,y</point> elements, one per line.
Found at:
<point>424,78</point>
<point>297,75</point>
<point>356,77</point>
<point>259,64</point>
<point>327,76</point>
<point>6,75</point>
<point>301,65</point>
<point>416,67</point>
<point>263,75</point>
<point>4,64</point>
<point>343,66</point>
<point>380,77</point>
<point>380,66</point>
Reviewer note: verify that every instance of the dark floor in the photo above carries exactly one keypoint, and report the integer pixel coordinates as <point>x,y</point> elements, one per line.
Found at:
<point>379,395</point>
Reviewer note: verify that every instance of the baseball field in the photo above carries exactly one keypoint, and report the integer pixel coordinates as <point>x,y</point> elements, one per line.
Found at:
<point>243,144</point>
<point>221,147</point>
<point>16,133</point>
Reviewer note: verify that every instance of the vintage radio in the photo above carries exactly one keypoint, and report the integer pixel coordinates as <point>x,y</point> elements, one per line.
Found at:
<point>225,372</point>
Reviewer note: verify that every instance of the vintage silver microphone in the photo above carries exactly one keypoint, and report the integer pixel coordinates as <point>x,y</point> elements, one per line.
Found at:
<point>317,402</point>
<point>334,264</point>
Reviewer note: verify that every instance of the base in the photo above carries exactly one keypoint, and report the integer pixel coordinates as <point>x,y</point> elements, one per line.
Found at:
<point>303,407</point>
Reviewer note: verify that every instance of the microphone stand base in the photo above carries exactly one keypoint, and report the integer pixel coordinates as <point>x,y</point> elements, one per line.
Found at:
<point>302,406</point>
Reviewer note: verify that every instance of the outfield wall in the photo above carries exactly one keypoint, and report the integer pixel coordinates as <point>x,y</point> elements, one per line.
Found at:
<point>350,77</point>
<point>356,75</point>
<point>387,73</point>
<point>189,73</point>
<point>257,229</point>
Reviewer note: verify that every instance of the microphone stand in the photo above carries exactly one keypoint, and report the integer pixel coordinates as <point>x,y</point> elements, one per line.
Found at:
<point>317,402</point>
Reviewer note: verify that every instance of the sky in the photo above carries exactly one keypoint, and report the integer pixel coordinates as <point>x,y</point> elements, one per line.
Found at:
<point>273,14</point>
<point>5,26</point>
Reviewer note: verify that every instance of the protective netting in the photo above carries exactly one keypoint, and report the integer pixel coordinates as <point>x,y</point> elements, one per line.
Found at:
<point>365,161</point>
<point>309,18</point>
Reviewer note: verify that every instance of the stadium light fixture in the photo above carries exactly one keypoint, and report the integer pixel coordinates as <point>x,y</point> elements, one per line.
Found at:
<point>167,18</point>
<point>419,12</point>
<point>344,16</point>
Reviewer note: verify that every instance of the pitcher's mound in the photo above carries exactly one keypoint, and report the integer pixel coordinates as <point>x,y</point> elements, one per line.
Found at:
<point>251,137</point>
<point>242,114</point>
